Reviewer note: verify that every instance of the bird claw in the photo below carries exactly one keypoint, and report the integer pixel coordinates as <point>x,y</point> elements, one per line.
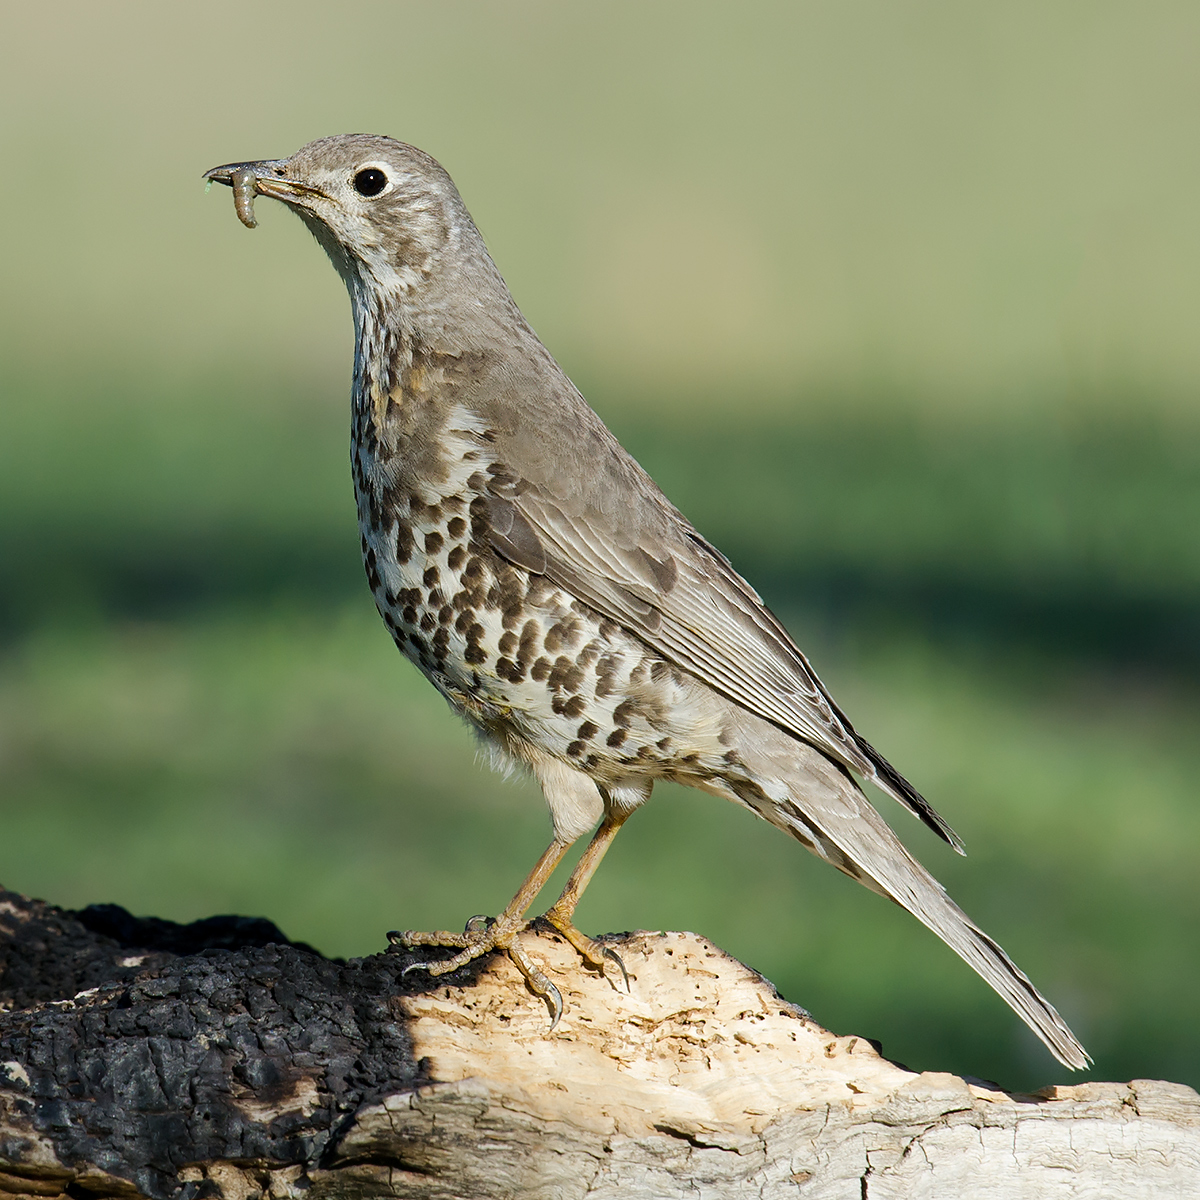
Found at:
<point>612,956</point>
<point>481,935</point>
<point>539,984</point>
<point>594,955</point>
<point>469,944</point>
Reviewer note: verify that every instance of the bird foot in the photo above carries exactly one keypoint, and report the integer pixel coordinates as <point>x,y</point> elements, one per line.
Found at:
<point>481,936</point>
<point>596,956</point>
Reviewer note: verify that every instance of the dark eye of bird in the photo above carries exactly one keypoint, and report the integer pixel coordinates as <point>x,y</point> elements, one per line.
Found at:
<point>370,182</point>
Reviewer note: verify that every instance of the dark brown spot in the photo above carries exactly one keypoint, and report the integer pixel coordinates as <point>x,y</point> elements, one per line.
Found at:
<point>480,522</point>
<point>592,761</point>
<point>507,591</point>
<point>663,743</point>
<point>529,639</point>
<point>565,676</point>
<point>507,669</point>
<point>409,614</point>
<point>540,671</point>
<point>508,642</point>
<point>428,622</point>
<point>404,542</point>
<point>433,542</point>
<point>444,614</point>
<point>435,598</point>
<point>571,708</point>
<point>456,557</point>
<point>606,669</point>
<point>473,570</point>
<point>476,633</point>
<point>475,654</point>
<point>575,749</point>
<point>457,527</point>
<point>465,619</point>
<point>587,731</point>
<point>623,714</point>
<point>659,670</point>
<point>617,737</point>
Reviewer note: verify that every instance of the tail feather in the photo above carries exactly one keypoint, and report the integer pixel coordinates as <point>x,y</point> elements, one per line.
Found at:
<point>824,808</point>
<point>926,899</point>
<point>900,789</point>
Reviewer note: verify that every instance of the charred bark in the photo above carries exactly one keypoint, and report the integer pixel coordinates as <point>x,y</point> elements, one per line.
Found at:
<point>218,1061</point>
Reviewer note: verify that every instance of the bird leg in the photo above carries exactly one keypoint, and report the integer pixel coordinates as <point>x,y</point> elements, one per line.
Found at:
<point>561,912</point>
<point>482,935</point>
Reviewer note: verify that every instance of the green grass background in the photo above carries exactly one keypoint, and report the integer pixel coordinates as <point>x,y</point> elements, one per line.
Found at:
<point>896,301</point>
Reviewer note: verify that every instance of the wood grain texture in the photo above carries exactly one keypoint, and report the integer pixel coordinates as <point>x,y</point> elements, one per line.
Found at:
<point>250,1069</point>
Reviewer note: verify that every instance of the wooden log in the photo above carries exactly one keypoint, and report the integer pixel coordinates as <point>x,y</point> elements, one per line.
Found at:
<point>219,1062</point>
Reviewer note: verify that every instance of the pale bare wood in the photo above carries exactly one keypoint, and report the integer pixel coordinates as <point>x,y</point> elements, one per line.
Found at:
<point>698,1082</point>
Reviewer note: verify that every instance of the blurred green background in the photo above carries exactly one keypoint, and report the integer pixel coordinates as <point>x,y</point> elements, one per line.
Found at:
<point>897,301</point>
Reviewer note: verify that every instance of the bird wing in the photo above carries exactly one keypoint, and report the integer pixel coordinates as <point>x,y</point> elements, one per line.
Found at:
<point>683,598</point>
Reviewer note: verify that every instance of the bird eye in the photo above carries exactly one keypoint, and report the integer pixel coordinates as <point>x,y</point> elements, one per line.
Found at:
<point>370,181</point>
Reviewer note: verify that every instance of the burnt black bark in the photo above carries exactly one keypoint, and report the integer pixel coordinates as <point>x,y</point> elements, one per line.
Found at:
<point>150,1045</point>
<point>142,1060</point>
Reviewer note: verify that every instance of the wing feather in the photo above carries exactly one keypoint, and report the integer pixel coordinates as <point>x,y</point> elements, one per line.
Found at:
<point>684,599</point>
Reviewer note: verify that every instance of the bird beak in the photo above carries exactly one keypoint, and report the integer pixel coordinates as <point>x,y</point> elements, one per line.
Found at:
<point>266,178</point>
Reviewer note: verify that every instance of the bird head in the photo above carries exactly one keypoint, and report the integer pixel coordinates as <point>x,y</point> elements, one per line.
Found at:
<point>387,214</point>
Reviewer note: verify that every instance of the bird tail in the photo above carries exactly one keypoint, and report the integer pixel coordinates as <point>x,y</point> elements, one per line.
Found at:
<point>826,810</point>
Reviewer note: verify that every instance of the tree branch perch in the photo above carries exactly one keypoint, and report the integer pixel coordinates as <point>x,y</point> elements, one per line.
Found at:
<point>217,1061</point>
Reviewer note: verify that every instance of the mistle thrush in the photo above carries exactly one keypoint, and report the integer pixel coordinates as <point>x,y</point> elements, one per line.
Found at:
<point>536,575</point>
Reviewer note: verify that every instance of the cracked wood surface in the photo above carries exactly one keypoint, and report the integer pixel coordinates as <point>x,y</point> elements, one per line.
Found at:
<point>218,1062</point>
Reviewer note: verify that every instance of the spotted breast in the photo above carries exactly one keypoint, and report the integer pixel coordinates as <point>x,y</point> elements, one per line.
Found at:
<point>532,667</point>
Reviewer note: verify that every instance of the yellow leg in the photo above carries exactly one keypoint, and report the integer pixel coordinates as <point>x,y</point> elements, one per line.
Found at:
<point>562,911</point>
<point>499,934</point>
<point>481,935</point>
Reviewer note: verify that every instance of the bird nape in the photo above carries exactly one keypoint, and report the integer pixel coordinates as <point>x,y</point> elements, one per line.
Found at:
<point>544,585</point>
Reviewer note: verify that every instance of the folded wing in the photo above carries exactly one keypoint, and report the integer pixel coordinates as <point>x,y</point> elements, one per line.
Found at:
<point>684,599</point>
